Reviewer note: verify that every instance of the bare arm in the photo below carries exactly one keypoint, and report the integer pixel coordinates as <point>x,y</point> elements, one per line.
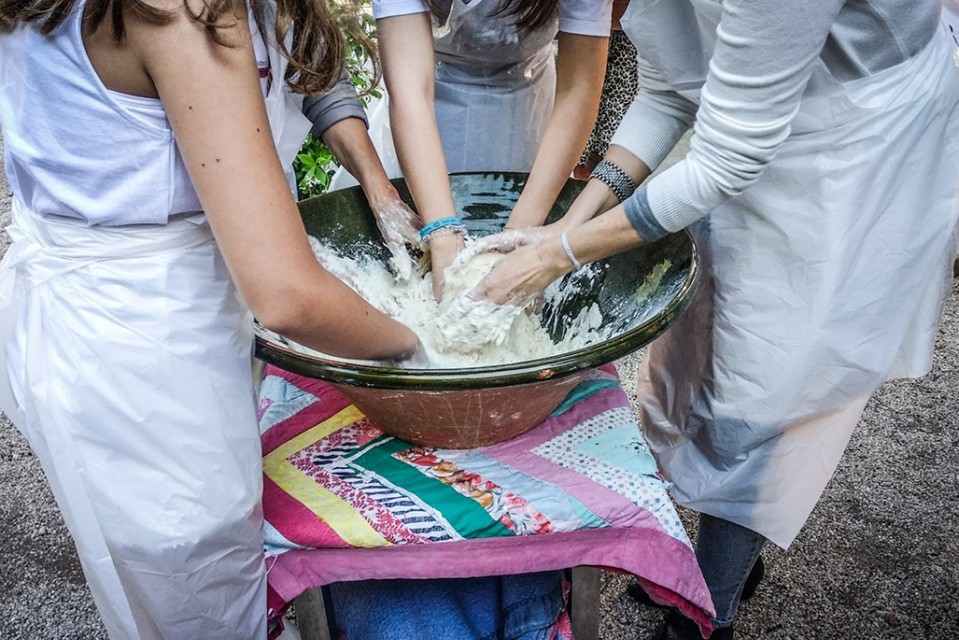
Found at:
<point>596,197</point>
<point>339,118</point>
<point>235,169</point>
<point>350,142</point>
<point>580,68</point>
<point>406,50</point>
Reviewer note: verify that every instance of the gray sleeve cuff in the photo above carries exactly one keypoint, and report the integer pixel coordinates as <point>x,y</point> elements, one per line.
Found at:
<point>339,103</point>
<point>640,215</point>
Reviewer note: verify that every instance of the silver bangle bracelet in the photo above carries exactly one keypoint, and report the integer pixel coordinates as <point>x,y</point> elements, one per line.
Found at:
<point>613,176</point>
<point>577,265</point>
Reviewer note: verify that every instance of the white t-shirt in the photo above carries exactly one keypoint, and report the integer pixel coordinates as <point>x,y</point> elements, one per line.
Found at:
<point>579,17</point>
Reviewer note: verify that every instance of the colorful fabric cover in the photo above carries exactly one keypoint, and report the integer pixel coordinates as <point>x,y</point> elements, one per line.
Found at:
<point>344,501</point>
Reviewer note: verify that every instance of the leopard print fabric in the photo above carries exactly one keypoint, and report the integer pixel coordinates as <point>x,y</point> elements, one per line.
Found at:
<point>619,89</point>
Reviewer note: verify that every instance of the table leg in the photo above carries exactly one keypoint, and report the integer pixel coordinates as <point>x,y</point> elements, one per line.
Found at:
<point>311,616</point>
<point>584,602</point>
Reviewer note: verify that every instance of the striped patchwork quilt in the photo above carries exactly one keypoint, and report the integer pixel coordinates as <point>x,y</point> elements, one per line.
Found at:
<point>344,501</point>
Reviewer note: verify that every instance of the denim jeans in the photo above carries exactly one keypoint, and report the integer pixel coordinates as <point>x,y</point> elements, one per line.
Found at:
<point>726,553</point>
<point>518,607</point>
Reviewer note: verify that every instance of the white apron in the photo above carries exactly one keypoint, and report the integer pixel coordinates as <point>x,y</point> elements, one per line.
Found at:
<point>821,281</point>
<point>950,14</point>
<point>495,87</point>
<point>125,358</point>
<point>128,354</point>
<point>494,93</point>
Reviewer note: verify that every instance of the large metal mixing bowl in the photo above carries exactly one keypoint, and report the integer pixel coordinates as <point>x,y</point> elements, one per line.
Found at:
<point>465,408</point>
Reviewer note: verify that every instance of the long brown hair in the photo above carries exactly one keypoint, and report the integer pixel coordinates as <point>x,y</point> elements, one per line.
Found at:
<point>527,15</point>
<point>316,56</point>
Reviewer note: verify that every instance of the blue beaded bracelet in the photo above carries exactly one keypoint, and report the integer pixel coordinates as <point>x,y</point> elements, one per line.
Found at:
<point>436,225</point>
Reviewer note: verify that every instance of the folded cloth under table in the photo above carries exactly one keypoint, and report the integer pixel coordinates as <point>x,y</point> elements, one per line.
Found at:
<point>343,501</point>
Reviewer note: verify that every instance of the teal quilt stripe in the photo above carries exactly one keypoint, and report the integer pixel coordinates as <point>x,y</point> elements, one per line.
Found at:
<point>582,391</point>
<point>465,515</point>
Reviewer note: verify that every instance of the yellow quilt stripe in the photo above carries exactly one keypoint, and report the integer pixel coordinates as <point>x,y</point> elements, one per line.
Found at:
<point>344,418</point>
<point>339,515</point>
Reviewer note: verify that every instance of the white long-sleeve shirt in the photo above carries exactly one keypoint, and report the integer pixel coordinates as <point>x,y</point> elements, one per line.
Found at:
<point>760,59</point>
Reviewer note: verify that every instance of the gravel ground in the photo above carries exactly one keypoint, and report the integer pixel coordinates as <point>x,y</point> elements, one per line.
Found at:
<point>877,560</point>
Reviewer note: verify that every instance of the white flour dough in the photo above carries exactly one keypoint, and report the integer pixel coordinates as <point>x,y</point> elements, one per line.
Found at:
<point>458,332</point>
<point>477,328</point>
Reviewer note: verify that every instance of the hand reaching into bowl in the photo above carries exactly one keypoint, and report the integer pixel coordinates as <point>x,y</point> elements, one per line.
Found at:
<point>400,228</point>
<point>444,239</point>
<point>528,269</point>
<point>523,275</point>
<point>510,239</point>
<point>419,358</point>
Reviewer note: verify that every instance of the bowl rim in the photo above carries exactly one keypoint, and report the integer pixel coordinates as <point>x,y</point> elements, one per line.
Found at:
<point>369,375</point>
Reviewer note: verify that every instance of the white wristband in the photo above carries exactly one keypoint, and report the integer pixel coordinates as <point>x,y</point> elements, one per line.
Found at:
<point>577,265</point>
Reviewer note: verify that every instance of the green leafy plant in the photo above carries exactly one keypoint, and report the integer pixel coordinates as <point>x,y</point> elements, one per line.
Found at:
<point>358,61</point>
<point>315,164</point>
<point>314,167</point>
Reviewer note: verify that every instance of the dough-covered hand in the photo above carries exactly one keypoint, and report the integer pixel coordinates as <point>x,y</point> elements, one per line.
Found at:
<point>400,228</point>
<point>397,222</point>
<point>520,277</point>
<point>443,250</point>
<point>511,239</point>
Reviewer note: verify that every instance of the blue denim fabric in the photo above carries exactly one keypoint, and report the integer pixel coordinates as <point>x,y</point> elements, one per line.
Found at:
<point>726,553</point>
<point>521,607</point>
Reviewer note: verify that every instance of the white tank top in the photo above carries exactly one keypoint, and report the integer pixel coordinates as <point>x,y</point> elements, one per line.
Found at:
<point>75,149</point>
